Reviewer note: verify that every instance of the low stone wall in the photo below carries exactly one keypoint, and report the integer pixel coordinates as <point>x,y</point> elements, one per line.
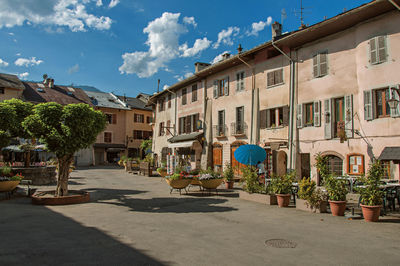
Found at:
<point>38,175</point>
<point>257,197</point>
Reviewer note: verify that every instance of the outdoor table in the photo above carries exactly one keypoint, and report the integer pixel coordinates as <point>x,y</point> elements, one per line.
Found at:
<point>350,179</point>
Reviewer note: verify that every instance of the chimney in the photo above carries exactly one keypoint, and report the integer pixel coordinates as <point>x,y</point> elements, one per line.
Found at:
<point>226,56</point>
<point>198,66</point>
<point>239,49</point>
<point>276,29</point>
<point>51,83</point>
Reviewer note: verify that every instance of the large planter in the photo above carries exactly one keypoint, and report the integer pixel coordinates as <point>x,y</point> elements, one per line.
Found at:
<point>337,207</point>
<point>229,184</point>
<point>48,198</point>
<point>258,197</point>
<point>283,200</point>
<point>162,173</point>
<point>178,183</point>
<point>38,175</point>
<point>371,213</point>
<point>7,186</point>
<point>305,206</point>
<point>145,169</point>
<point>211,183</point>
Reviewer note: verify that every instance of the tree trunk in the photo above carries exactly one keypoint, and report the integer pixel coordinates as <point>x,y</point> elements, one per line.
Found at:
<point>63,174</point>
<point>27,158</point>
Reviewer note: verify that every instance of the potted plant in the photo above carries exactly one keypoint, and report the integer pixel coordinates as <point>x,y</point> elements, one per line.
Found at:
<point>162,170</point>
<point>337,191</point>
<point>370,193</point>
<point>310,197</point>
<point>209,179</point>
<point>281,186</point>
<point>8,181</point>
<point>228,176</point>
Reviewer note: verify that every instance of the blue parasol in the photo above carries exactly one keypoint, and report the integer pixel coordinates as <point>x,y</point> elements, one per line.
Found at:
<point>250,154</point>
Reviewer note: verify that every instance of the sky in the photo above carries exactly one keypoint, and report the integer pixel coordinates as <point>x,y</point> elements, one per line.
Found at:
<point>125,46</point>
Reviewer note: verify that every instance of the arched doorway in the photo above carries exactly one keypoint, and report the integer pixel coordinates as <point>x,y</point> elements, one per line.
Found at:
<point>235,164</point>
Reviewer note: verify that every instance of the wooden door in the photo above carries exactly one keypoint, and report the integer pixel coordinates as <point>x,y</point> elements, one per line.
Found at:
<point>217,159</point>
<point>235,164</point>
<point>281,163</point>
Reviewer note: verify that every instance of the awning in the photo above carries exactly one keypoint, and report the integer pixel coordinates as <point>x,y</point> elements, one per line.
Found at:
<point>184,144</point>
<point>390,154</point>
<point>185,137</point>
<point>115,149</point>
<point>109,145</point>
<point>14,148</point>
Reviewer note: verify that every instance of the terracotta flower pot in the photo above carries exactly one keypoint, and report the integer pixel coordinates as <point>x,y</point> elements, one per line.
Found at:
<point>371,213</point>
<point>229,184</point>
<point>337,207</point>
<point>283,200</point>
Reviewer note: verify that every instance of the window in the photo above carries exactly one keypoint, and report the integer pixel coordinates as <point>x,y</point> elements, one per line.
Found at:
<point>355,164</point>
<point>221,123</point>
<point>275,77</point>
<point>107,137</point>
<point>378,50</point>
<point>111,118</point>
<point>320,65</point>
<point>381,103</point>
<point>274,117</point>
<point>376,103</point>
<point>137,134</point>
<point>138,118</point>
<point>184,98</point>
<point>148,119</point>
<point>338,118</point>
<point>308,114</point>
<point>169,100</point>
<point>188,124</point>
<point>194,93</point>
<point>168,129</point>
<point>1,90</point>
<point>335,165</point>
<point>161,105</point>
<point>221,87</point>
<point>239,128</point>
<point>161,129</point>
<point>240,81</point>
<point>386,169</point>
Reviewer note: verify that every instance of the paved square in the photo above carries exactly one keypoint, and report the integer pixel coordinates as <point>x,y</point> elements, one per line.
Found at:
<point>133,220</point>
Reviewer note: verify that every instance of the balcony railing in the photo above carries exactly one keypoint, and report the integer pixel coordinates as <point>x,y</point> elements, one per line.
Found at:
<point>238,129</point>
<point>220,130</point>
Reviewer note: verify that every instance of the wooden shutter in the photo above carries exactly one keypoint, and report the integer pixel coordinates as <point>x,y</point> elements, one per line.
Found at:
<point>368,114</point>
<point>114,118</point>
<point>317,114</point>
<point>328,119</point>
<point>188,123</point>
<point>237,81</point>
<point>299,115</point>
<point>242,80</point>
<point>217,156</point>
<point>348,115</point>
<point>381,41</point>
<point>285,120</point>
<point>394,95</point>
<point>270,79</point>
<point>215,89</point>
<point>323,64</point>
<point>226,86</point>
<point>315,66</point>
<point>263,118</point>
<point>373,51</point>
<point>268,120</point>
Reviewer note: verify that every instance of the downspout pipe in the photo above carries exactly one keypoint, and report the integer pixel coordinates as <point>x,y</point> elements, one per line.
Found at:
<point>395,5</point>
<point>291,102</point>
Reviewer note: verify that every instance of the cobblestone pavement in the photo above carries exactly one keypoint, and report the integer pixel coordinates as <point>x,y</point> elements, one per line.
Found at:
<point>134,220</point>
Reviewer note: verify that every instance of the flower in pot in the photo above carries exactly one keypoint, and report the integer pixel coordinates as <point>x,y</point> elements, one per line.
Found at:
<point>370,194</point>
<point>315,198</point>
<point>176,181</point>
<point>209,179</point>
<point>228,176</point>
<point>8,181</point>
<point>281,186</point>
<point>337,191</point>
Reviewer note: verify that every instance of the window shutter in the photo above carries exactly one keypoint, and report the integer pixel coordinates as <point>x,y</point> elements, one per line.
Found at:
<point>268,120</point>
<point>285,120</point>
<point>348,115</point>
<point>381,41</point>
<point>238,82</point>
<point>279,76</point>
<point>394,95</point>
<point>242,81</point>
<point>114,118</point>
<point>323,64</point>
<point>317,114</point>
<point>270,79</point>
<point>328,119</point>
<point>188,123</point>
<point>299,115</point>
<point>226,86</point>
<point>315,66</point>
<point>263,119</point>
<point>368,114</point>
<point>215,89</point>
<point>373,51</point>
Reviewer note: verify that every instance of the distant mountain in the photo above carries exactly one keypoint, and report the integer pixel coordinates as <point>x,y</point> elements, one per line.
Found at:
<point>88,88</point>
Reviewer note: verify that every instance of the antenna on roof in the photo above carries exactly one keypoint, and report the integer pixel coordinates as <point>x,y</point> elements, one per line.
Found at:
<point>158,86</point>
<point>283,15</point>
<point>301,12</point>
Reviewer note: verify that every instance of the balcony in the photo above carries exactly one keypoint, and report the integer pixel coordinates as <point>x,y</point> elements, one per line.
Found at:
<point>239,129</point>
<point>220,131</point>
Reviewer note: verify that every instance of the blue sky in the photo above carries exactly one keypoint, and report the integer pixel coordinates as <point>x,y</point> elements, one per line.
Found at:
<point>124,46</point>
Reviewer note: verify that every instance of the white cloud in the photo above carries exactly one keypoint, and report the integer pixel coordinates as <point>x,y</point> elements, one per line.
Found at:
<point>73,69</point>
<point>23,75</point>
<point>3,63</point>
<point>189,74</point>
<point>11,33</point>
<point>163,42</point>
<point>219,57</point>
<point>59,13</point>
<point>259,26</point>
<point>18,54</point>
<point>199,45</point>
<point>165,87</point>
<point>99,3</point>
<point>185,76</point>
<point>27,62</point>
<point>113,3</point>
<point>225,36</point>
<point>190,20</point>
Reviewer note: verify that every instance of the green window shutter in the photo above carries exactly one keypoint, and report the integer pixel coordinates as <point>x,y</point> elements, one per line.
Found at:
<point>328,119</point>
<point>373,51</point>
<point>299,115</point>
<point>226,86</point>
<point>285,120</point>
<point>317,114</point>
<point>268,120</point>
<point>348,115</point>
<point>382,54</point>
<point>315,66</point>
<point>323,64</point>
<point>270,79</point>
<point>368,111</point>
<point>237,81</point>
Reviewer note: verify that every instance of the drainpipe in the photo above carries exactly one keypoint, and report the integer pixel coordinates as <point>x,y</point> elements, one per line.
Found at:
<point>253,84</point>
<point>395,5</point>
<point>291,103</point>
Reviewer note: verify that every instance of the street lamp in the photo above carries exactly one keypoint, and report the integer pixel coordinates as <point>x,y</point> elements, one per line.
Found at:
<point>393,102</point>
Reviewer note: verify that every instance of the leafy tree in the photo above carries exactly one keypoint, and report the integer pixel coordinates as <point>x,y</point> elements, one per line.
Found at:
<point>146,145</point>
<point>8,116</point>
<point>65,130</point>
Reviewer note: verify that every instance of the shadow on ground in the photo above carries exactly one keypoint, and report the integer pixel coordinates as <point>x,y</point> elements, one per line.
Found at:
<point>35,235</point>
<point>100,194</point>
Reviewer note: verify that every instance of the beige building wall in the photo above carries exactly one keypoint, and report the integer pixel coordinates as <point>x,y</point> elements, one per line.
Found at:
<point>10,93</point>
<point>131,125</point>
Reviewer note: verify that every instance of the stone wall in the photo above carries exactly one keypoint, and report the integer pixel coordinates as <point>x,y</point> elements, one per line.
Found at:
<point>38,175</point>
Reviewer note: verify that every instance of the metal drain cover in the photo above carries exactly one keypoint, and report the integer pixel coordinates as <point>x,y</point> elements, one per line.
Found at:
<point>280,243</point>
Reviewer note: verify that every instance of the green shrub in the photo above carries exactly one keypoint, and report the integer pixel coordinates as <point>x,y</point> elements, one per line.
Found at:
<point>282,184</point>
<point>228,172</point>
<point>306,188</point>
<point>5,170</point>
<point>371,194</point>
<point>336,188</point>
<point>250,180</point>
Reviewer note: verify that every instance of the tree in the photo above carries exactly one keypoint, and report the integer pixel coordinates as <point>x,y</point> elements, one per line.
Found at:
<point>7,114</point>
<point>65,130</point>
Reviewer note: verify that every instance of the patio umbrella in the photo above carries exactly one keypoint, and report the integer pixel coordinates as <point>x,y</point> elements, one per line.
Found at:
<point>250,154</point>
